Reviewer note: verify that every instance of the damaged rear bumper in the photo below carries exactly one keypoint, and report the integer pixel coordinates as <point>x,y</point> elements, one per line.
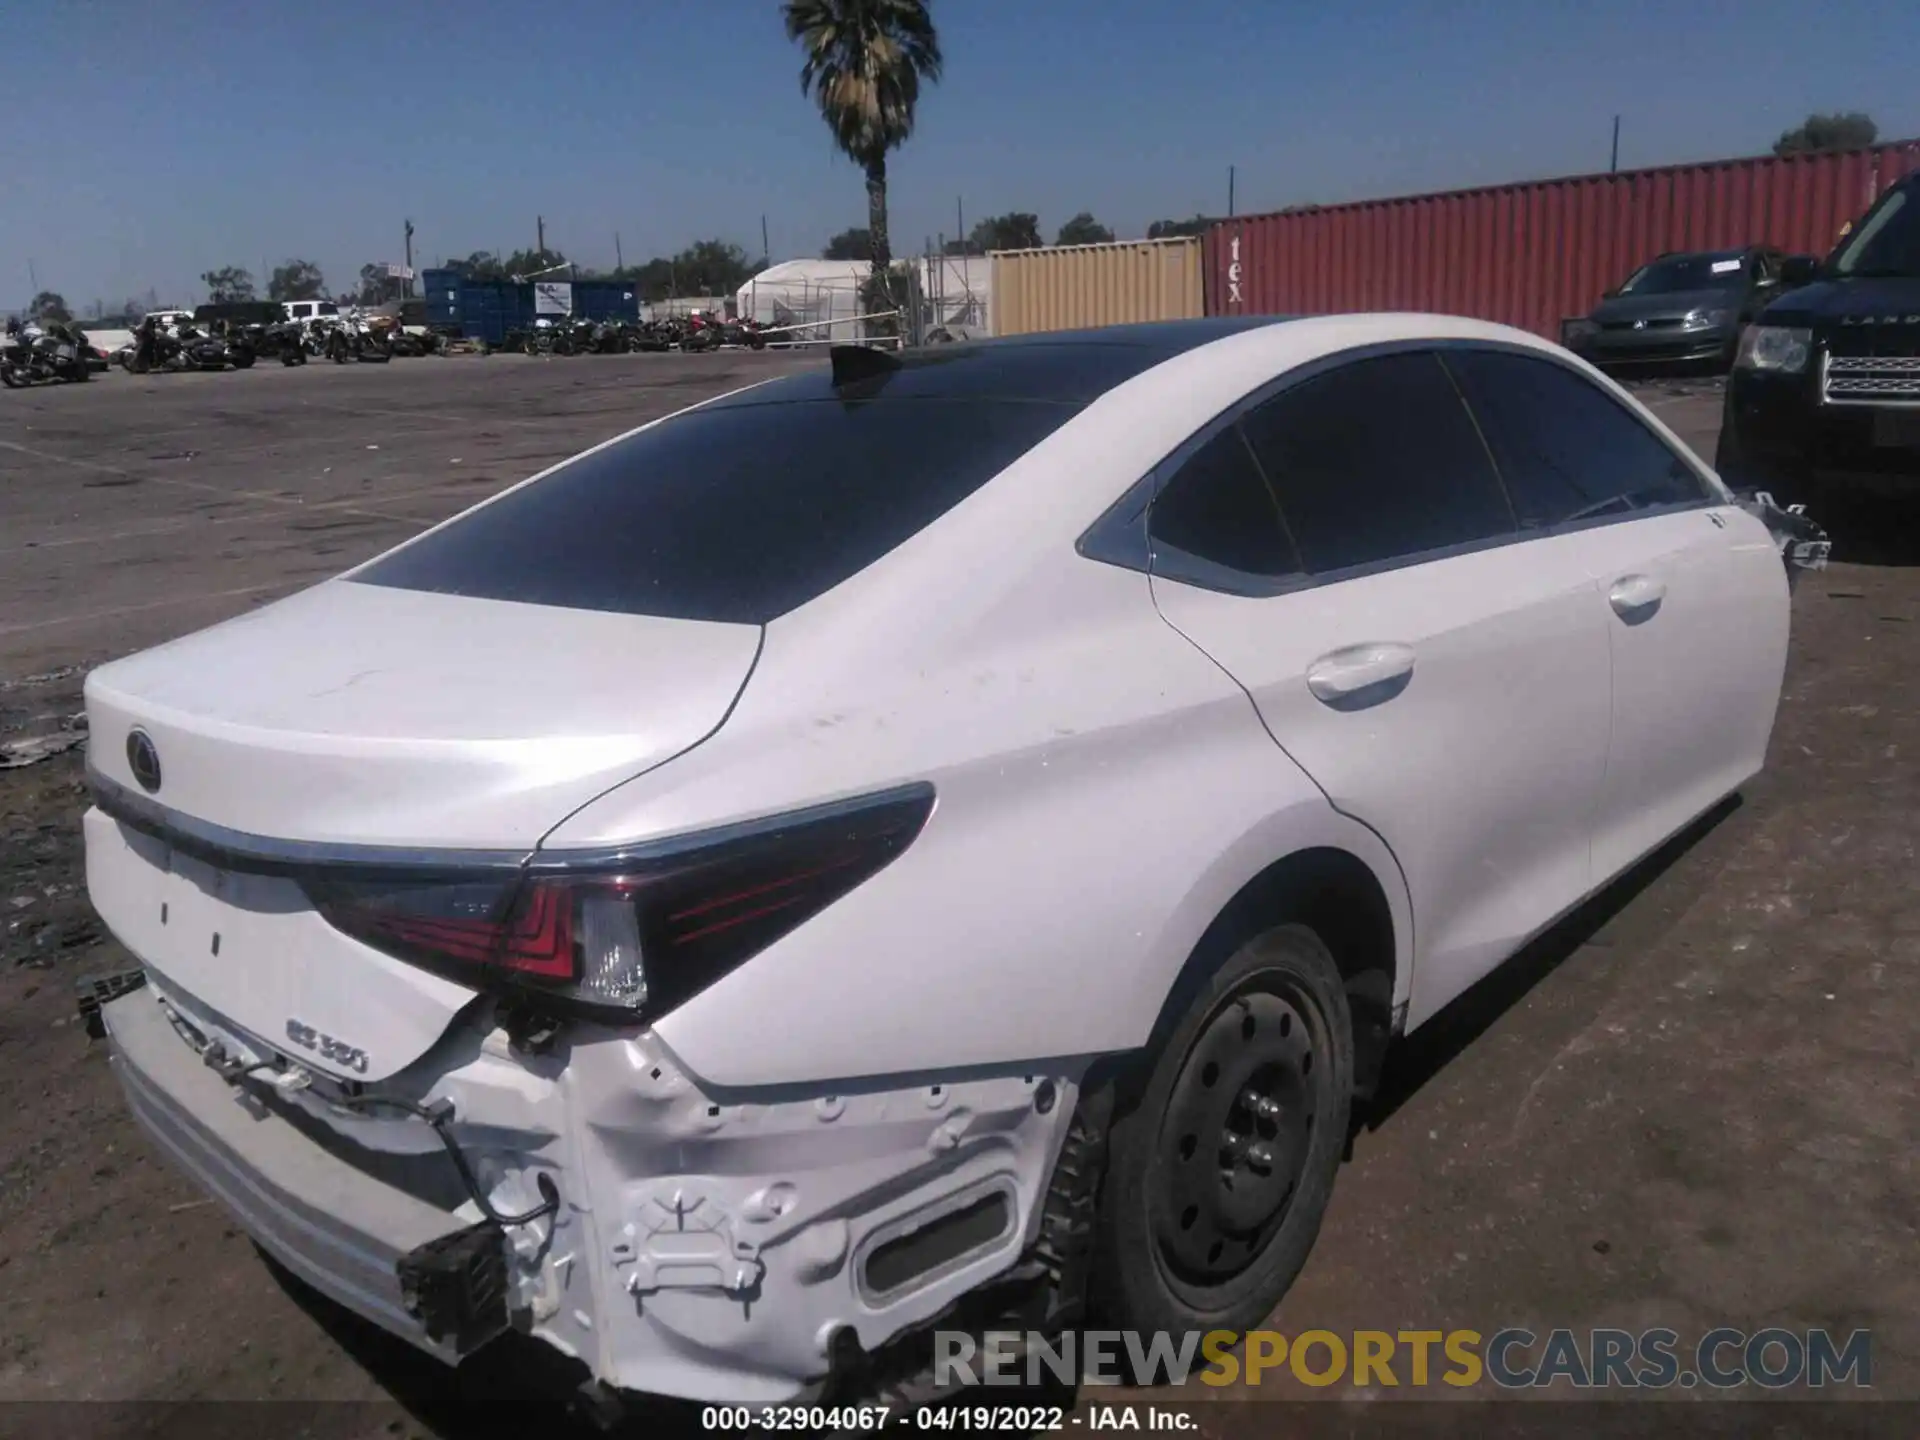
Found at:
<point>342,1232</point>
<point>714,1247</point>
<point>1804,545</point>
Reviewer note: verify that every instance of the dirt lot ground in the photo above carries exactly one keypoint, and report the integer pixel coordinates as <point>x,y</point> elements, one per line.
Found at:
<point>1693,1106</point>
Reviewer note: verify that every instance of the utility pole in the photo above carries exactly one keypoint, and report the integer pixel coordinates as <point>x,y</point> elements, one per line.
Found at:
<point>619,260</point>
<point>766,247</point>
<point>959,228</point>
<point>406,285</point>
<point>540,233</point>
<point>33,279</point>
<point>1614,167</point>
<point>1230,178</point>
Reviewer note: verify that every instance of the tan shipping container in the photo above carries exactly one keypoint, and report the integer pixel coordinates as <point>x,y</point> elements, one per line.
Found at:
<point>1076,287</point>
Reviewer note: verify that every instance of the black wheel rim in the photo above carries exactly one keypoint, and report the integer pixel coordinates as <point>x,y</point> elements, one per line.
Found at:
<point>1238,1133</point>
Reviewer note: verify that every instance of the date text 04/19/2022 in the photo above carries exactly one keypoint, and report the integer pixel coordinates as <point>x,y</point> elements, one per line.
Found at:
<point>965,1419</point>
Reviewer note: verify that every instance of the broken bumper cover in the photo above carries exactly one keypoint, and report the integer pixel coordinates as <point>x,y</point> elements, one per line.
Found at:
<point>339,1230</point>
<point>1804,545</point>
<point>714,1248</point>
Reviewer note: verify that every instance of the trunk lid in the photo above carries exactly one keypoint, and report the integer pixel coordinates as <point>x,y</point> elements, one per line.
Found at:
<point>365,715</point>
<point>368,716</point>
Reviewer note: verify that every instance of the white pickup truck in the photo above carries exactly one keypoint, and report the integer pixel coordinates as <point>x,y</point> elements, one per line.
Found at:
<point>305,312</point>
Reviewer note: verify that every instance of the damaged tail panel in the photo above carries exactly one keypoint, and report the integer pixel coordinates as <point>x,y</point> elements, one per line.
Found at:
<point>675,1238</point>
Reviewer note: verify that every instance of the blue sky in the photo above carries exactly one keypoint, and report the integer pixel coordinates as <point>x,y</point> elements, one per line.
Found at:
<point>152,141</point>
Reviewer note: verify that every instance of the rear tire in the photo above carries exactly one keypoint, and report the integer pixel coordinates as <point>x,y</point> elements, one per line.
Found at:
<point>1224,1151</point>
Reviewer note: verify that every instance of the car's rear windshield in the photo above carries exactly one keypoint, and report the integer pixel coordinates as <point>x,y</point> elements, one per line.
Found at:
<point>1679,273</point>
<point>738,513</point>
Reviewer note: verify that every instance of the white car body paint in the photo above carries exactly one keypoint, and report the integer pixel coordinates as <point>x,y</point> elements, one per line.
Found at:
<point>377,716</point>
<point>1483,776</point>
<point>1114,758</point>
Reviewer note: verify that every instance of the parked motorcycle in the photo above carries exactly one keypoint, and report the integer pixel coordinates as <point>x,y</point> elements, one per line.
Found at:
<point>186,347</point>
<point>285,341</point>
<point>744,333</point>
<point>391,331</point>
<point>658,335</point>
<point>701,334</point>
<point>242,342</point>
<point>55,355</point>
<point>349,337</point>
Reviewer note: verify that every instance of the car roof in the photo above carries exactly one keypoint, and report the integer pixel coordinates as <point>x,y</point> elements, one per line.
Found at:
<point>1067,367</point>
<point>1020,529</point>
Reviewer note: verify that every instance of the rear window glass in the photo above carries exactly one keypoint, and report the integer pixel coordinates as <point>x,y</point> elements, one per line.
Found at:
<point>1377,461</point>
<point>735,514</point>
<point>1567,450</point>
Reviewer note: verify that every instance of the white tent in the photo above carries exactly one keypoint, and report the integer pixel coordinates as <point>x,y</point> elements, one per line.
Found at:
<point>808,294</point>
<point>955,291</point>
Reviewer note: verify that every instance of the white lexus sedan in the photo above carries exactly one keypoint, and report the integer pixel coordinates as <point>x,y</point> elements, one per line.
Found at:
<point>945,840</point>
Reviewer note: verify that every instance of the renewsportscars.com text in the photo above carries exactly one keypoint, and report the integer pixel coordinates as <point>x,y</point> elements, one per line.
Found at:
<point>1512,1359</point>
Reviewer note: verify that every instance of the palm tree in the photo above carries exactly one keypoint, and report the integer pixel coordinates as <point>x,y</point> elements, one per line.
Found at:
<point>865,61</point>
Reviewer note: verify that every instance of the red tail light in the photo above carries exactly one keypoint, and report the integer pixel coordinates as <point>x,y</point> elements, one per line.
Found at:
<point>627,932</point>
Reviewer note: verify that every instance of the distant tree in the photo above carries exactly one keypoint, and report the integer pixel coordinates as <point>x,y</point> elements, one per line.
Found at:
<point>480,265</point>
<point>1849,131</point>
<point>865,61</point>
<point>1083,229</point>
<point>962,247</point>
<point>877,292</point>
<point>296,280</point>
<point>706,267</point>
<point>530,263</point>
<point>713,267</point>
<point>228,285</point>
<point>853,244</point>
<point>657,280</point>
<point>49,305</point>
<point>377,287</point>
<point>1015,231</point>
<point>1173,229</point>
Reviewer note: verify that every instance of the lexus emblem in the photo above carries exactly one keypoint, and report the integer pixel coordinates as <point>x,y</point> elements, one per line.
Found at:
<point>144,760</point>
<point>1639,324</point>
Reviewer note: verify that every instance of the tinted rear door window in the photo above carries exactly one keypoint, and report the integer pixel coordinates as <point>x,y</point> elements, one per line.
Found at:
<point>1567,450</point>
<point>737,514</point>
<point>1377,461</point>
<point>1217,508</point>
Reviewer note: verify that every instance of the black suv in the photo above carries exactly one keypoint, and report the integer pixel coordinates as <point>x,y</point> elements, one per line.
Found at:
<point>1679,309</point>
<point>1825,392</point>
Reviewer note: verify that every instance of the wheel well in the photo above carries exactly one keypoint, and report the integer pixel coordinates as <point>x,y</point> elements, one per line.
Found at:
<point>1337,896</point>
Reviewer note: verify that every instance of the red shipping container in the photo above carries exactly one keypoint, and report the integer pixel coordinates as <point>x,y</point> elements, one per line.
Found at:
<point>1531,255</point>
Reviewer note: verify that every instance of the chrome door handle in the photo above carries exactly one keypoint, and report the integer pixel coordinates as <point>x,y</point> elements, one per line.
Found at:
<point>1360,675</point>
<point>1636,597</point>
